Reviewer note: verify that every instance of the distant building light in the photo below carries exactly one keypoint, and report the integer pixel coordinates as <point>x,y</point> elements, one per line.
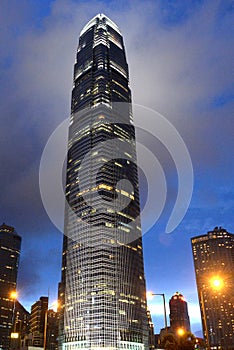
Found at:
<point>14,335</point>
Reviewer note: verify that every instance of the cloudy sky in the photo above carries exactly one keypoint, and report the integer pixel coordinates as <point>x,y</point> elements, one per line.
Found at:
<point>180,56</point>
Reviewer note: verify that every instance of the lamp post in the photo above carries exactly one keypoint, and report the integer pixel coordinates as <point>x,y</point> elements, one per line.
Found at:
<point>164,306</point>
<point>14,336</point>
<point>215,283</point>
<point>45,329</point>
<point>204,319</point>
<point>13,296</point>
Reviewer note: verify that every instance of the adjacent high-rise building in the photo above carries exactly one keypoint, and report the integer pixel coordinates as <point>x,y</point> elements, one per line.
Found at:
<point>214,267</point>
<point>43,327</point>
<point>52,330</point>
<point>102,290</point>
<point>20,326</point>
<point>10,244</point>
<point>179,318</point>
<point>37,321</point>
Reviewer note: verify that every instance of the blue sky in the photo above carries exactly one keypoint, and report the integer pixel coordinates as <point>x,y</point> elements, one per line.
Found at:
<point>180,56</point>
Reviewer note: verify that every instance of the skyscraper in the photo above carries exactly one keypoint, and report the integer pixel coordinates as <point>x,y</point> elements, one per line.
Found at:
<point>214,267</point>
<point>10,243</point>
<point>102,290</point>
<point>179,317</point>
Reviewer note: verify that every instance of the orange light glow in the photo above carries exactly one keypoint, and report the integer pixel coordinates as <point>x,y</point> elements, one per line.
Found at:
<point>14,295</point>
<point>55,305</point>
<point>217,283</point>
<point>180,331</point>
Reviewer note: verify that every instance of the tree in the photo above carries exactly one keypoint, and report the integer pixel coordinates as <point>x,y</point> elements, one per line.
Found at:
<point>169,342</point>
<point>186,341</point>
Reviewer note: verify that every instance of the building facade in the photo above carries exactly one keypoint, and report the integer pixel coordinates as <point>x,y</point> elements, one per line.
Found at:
<point>102,289</point>
<point>42,325</point>
<point>10,244</point>
<point>179,317</point>
<point>52,330</point>
<point>214,267</point>
<point>20,326</point>
<point>151,331</point>
<point>37,322</point>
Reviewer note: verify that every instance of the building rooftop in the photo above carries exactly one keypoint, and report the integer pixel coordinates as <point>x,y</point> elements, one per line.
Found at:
<point>178,295</point>
<point>93,21</point>
<point>6,228</point>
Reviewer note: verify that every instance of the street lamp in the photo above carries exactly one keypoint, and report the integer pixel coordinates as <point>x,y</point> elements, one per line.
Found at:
<point>14,334</point>
<point>150,294</point>
<point>13,297</point>
<point>204,319</point>
<point>180,331</point>
<point>215,283</point>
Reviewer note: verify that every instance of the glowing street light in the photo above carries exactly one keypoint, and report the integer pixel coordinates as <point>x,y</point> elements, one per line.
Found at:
<point>216,282</point>
<point>14,335</point>
<point>14,295</point>
<point>149,295</point>
<point>180,332</point>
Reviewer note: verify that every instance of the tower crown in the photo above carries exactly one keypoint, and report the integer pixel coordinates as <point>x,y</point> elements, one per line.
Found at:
<point>179,296</point>
<point>100,18</point>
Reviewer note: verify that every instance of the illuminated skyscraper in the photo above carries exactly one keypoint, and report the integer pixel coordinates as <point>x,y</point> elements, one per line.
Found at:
<point>214,267</point>
<point>179,317</point>
<point>102,290</point>
<point>10,243</point>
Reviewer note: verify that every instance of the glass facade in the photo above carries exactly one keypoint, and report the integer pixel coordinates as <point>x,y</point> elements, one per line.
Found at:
<point>214,267</point>
<point>102,290</point>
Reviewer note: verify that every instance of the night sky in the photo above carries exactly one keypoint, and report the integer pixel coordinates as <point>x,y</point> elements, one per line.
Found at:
<point>180,56</point>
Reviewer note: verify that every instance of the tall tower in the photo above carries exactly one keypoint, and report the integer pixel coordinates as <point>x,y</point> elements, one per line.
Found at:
<point>10,244</point>
<point>214,267</point>
<point>102,290</point>
<point>179,317</point>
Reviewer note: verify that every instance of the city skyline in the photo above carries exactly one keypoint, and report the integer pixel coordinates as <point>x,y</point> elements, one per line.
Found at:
<point>186,51</point>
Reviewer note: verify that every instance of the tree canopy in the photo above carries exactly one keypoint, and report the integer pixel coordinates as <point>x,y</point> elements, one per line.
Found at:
<point>186,341</point>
